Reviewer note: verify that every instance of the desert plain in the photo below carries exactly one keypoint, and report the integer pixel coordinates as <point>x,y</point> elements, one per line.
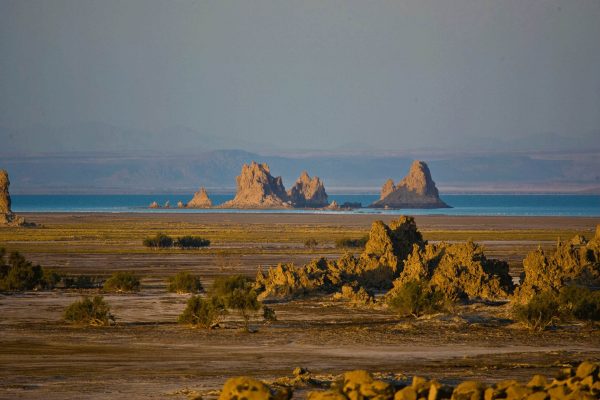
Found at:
<point>147,354</point>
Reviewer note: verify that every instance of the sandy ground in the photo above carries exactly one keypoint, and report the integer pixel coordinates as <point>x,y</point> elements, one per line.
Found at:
<point>147,355</point>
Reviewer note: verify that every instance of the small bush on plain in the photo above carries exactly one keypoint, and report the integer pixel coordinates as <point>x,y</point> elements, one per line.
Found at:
<point>311,243</point>
<point>269,314</point>
<point>89,311</point>
<point>204,313</point>
<point>580,303</point>
<point>159,241</point>
<point>237,293</point>
<point>345,242</point>
<point>416,298</point>
<point>184,282</point>
<point>18,274</point>
<point>81,282</point>
<point>122,282</point>
<point>540,312</point>
<point>191,242</point>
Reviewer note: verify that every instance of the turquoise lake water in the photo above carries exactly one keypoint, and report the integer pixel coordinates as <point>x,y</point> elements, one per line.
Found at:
<point>463,204</point>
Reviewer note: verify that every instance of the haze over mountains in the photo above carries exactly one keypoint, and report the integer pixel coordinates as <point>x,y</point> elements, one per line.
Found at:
<point>101,158</point>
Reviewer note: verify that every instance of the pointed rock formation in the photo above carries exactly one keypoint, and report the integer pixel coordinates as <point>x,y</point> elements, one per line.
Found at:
<point>415,190</point>
<point>7,217</point>
<point>256,188</point>
<point>308,192</point>
<point>200,200</point>
<point>387,188</point>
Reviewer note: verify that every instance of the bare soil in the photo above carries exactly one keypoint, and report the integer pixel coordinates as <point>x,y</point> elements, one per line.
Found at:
<point>148,355</point>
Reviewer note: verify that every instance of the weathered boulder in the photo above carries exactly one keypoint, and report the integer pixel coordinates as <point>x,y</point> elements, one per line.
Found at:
<point>575,261</point>
<point>244,387</point>
<point>308,192</point>
<point>415,190</point>
<point>7,217</point>
<point>257,188</point>
<point>360,385</point>
<point>200,200</point>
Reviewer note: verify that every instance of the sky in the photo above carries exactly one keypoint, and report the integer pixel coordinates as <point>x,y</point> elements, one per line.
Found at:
<point>391,75</point>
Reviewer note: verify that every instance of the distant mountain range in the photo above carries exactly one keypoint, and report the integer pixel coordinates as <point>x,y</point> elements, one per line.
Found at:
<point>102,158</point>
<point>77,172</point>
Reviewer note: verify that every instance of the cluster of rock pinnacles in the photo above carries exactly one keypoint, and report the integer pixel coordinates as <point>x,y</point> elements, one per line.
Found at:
<point>257,188</point>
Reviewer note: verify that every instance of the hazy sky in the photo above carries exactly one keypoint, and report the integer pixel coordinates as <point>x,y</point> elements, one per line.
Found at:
<point>307,74</point>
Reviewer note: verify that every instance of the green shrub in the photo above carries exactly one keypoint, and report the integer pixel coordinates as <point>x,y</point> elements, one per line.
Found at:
<point>122,282</point>
<point>237,293</point>
<point>18,274</point>
<point>580,303</point>
<point>81,282</point>
<point>159,241</point>
<point>184,282</point>
<point>541,311</point>
<point>51,279</point>
<point>191,242</point>
<point>201,312</point>
<point>311,243</point>
<point>415,298</point>
<point>95,312</point>
<point>269,314</point>
<point>345,242</point>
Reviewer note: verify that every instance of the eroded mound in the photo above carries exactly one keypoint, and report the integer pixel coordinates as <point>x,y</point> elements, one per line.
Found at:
<point>459,270</point>
<point>576,261</point>
<point>378,265</point>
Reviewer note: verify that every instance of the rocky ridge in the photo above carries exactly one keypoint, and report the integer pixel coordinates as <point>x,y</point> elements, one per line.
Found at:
<point>415,190</point>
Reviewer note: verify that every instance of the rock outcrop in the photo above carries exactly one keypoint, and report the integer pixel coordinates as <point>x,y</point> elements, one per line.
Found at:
<point>377,267</point>
<point>576,261</point>
<point>7,217</point>
<point>200,200</point>
<point>308,192</point>
<point>257,188</point>
<point>459,270</point>
<point>415,190</point>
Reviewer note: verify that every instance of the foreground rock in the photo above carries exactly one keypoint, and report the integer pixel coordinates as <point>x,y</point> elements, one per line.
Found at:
<point>576,261</point>
<point>415,190</point>
<point>200,200</point>
<point>581,382</point>
<point>308,192</point>
<point>7,217</point>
